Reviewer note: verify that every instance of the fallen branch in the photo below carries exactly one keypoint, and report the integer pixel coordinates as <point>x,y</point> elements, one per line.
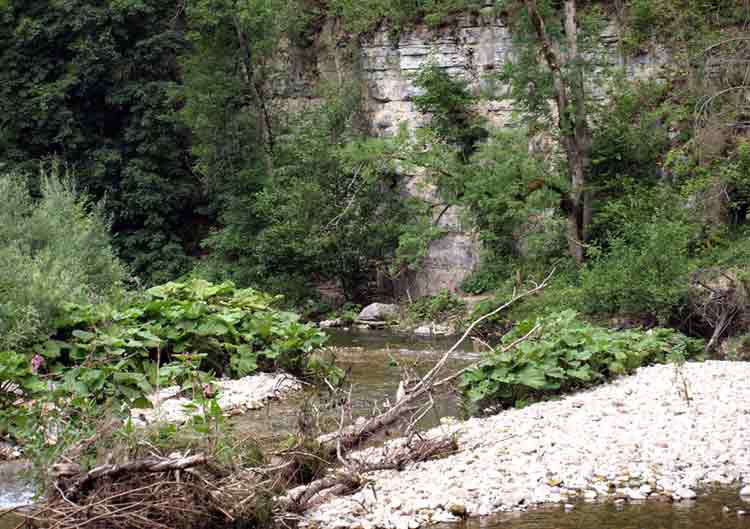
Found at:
<point>351,478</point>
<point>355,434</point>
<point>71,490</point>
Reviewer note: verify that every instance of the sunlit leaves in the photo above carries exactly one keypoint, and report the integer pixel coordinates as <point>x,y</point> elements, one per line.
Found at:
<point>567,352</point>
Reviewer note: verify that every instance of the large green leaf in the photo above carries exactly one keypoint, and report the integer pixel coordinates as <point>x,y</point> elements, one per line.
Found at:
<point>532,377</point>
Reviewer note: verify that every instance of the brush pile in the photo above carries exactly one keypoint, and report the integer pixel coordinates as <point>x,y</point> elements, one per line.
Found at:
<point>156,492</point>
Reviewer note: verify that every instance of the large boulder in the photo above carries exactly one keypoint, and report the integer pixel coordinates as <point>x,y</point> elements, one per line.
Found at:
<point>380,312</point>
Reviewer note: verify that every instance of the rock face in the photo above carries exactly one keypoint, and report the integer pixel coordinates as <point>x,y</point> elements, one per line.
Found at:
<point>471,45</point>
<point>468,45</point>
<point>378,312</point>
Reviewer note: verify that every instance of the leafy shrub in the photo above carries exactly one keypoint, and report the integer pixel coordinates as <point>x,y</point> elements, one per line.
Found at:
<point>439,307</point>
<point>236,330</point>
<point>176,333</point>
<point>480,281</point>
<point>323,213</point>
<point>363,17</point>
<point>566,353</point>
<point>511,205</point>
<point>644,270</point>
<point>678,22</point>
<point>53,251</point>
<point>450,104</point>
<point>347,313</point>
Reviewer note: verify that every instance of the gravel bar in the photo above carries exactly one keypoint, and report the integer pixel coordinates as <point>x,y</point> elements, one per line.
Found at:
<point>659,434</point>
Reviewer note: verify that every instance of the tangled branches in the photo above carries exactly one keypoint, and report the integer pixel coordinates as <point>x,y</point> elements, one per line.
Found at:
<point>143,494</point>
<point>717,297</point>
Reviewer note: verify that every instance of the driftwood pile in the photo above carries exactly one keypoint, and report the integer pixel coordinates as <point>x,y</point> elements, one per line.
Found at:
<point>143,494</point>
<point>193,491</point>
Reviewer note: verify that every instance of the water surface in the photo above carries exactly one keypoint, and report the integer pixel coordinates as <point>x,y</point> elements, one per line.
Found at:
<point>706,512</point>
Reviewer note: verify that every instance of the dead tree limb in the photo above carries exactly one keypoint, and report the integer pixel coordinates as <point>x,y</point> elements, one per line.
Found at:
<point>139,466</point>
<point>349,479</point>
<point>355,434</point>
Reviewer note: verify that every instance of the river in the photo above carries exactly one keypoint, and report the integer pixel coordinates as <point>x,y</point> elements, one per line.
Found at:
<point>374,361</point>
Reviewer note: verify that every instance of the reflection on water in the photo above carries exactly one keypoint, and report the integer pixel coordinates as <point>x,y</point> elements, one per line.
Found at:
<point>14,492</point>
<point>14,489</point>
<point>707,512</point>
<point>373,361</point>
<point>384,339</point>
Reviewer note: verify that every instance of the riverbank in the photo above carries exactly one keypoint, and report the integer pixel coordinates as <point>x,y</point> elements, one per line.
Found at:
<point>658,434</point>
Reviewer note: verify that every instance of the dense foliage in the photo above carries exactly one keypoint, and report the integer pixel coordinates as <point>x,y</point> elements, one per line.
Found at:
<point>322,212</point>
<point>104,361</point>
<point>89,82</point>
<point>53,251</point>
<point>237,332</point>
<point>564,353</point>
<point>361,18</point>
<point>440,307</point>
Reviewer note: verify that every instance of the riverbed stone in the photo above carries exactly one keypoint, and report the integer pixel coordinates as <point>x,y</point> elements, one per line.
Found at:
<point>378,312</point>
<point>684,493</point>
<point>433,330</point>
<point>513,460</point>
<point>456,508</point>
<point>233,397</point>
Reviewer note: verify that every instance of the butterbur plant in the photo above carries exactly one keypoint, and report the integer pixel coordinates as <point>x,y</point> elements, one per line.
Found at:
<point>565,353</point>
<point>187,327</point>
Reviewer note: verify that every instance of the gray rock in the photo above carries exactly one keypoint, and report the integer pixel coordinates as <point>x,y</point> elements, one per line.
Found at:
<point>378,312</point>
<point>456,509</point>
<point>433,330</point>
<point>745,492</point>
<point>684,493</point>
<point>636,495</point>
<point>327,324</point>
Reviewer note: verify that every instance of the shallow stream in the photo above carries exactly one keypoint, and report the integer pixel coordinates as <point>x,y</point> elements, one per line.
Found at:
<point>373,360</point>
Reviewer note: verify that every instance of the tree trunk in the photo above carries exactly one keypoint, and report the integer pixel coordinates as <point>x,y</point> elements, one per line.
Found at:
<point>263,118</point>
<point>571,116</point>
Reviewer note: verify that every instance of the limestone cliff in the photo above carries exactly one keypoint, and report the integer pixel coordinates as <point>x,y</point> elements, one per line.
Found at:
<point>469,45</point>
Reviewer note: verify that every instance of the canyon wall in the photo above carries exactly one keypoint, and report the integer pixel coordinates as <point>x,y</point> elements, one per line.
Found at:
<point>468,45</point>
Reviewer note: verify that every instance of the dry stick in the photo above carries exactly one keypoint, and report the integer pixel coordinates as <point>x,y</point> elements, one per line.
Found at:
<point>347,479</point>
<point>138,466</point>
<point>349,437</point>
<point>352,435</point>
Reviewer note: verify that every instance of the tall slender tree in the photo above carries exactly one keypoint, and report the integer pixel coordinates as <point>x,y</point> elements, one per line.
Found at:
<point>566,69</point>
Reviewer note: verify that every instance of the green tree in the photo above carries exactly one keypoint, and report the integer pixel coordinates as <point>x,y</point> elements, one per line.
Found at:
<point>89,82</point>
<point>559,47</point>
<point>324,212</point>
